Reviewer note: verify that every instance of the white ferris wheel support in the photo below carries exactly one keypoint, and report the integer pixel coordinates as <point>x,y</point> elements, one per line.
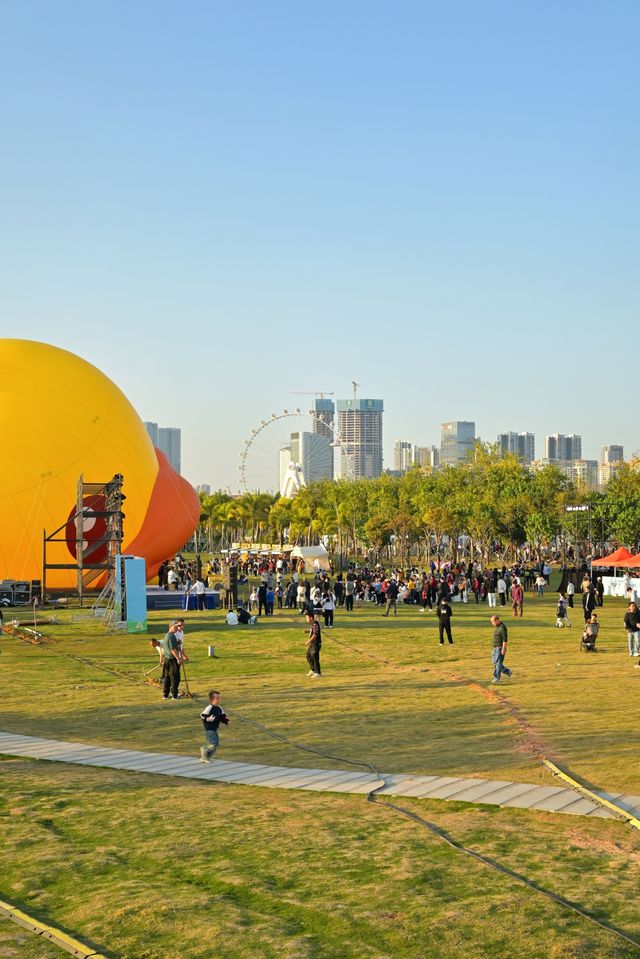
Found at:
<point>259,466</point>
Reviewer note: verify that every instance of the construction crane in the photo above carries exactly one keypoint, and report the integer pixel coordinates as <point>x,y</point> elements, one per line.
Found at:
<point>355,389</point>
<point>309,393</point>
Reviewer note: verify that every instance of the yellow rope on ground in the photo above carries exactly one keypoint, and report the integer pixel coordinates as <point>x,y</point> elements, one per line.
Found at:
<point>56,936</point>
<point>630,820</point>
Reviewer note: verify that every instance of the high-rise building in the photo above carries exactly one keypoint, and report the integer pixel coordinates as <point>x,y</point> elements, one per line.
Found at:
<point>584,472</point>
<point>323,423</point>
<point>322,416</point>
<point>167,439</point>
<point>314,453</point>
<point>152,430</point>
<point>457,440</point>
<point>557,446</point>
<point>311,455</point>
<point>522,445</point>
<point>204,488</point>
<point>612,454</point>
<point>426,456</point>
<point>402,456</point>
<point>607,471</point>
<point>360,436</point>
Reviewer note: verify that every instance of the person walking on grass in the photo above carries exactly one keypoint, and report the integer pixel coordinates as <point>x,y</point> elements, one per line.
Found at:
<point>391,597</point>
<point>211,716</point>
<point>314,644</point>
<point>632,626</point>
<point>517,597</point>
<point>562,618</point>
<point>444,614</point>
<point>500,635</point>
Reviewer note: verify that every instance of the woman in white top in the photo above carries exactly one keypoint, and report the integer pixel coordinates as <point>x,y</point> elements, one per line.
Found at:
<point>301,595</point>
<point>328,606</point>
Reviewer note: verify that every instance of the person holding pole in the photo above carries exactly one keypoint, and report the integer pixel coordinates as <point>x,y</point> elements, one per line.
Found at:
<point>172,663</point>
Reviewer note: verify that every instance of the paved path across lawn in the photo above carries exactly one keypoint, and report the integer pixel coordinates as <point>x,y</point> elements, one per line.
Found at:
<point>493,792</point>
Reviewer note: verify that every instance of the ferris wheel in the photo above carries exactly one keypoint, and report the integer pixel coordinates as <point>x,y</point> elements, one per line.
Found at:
<point>290,450</point>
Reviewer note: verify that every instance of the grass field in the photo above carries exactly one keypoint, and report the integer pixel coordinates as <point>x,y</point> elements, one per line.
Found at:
<point>147,867</point>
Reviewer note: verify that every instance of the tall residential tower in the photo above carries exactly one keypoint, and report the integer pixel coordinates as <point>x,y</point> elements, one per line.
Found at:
<point>360,436</point>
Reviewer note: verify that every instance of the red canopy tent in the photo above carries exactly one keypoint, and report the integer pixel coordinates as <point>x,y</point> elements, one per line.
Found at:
<point>633,561</point>
<point>620,557</point>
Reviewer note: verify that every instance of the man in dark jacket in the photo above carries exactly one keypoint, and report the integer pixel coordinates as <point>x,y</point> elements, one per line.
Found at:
<point>444,613</point>
<point>391,596</point>
<point>632,626</point>
<point>589,603</point>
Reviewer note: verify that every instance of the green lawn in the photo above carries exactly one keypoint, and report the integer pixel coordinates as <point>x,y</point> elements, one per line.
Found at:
<point>161,867</point>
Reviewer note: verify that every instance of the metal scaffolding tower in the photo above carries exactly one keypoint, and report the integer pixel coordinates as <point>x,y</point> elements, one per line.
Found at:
<point>93,534</point>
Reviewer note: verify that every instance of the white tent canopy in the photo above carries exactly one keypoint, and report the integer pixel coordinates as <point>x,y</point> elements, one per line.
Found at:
<point>314,557</point>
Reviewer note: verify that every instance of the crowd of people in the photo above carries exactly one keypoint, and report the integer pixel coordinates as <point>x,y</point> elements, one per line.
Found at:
<point>437,589</point>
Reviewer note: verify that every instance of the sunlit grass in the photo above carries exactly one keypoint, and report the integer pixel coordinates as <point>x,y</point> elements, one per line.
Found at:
<point>153,865</point>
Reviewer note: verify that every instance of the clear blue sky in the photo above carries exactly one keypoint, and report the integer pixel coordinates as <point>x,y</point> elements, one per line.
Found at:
<point>216,203</point>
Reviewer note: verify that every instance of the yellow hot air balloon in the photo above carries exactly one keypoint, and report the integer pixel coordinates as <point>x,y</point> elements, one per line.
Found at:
<point>63,418</point>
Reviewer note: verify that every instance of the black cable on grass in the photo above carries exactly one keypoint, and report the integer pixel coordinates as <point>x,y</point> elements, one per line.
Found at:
<point>373,798</point>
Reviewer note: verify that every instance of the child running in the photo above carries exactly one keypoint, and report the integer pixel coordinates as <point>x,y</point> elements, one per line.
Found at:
<point>562,619</point>
<point>211,716</point>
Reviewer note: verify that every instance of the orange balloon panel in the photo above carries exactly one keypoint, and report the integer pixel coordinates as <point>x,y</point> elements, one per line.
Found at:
<point>62,417</point>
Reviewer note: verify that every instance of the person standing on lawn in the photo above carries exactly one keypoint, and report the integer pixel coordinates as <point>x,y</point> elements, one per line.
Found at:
<point>570,593</point>
<point>172,661</point>
<point>632,626</point>
<point>444,614</point>
<point>517,597</point>
<point>499,649</point>
<point>314,644</point>
<point>589,602</point>
<point>391,597</point>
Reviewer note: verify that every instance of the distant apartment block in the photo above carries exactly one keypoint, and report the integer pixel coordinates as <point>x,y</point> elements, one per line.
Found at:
<point>457,439</point>
<point>168,440</point>
<point>583,472</point>
<point>607,471</point>
<point>402,456</point>
<point>612,454</point>
<point>522,445</point>
<point>204,488</point>
<point>559,446</point>
<point>426,456</point>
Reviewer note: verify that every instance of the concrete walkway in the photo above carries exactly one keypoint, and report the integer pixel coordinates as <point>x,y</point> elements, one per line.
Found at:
<point>493,792</point>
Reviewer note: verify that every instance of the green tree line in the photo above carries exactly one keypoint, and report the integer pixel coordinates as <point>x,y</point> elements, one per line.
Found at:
<point>492,502</point>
